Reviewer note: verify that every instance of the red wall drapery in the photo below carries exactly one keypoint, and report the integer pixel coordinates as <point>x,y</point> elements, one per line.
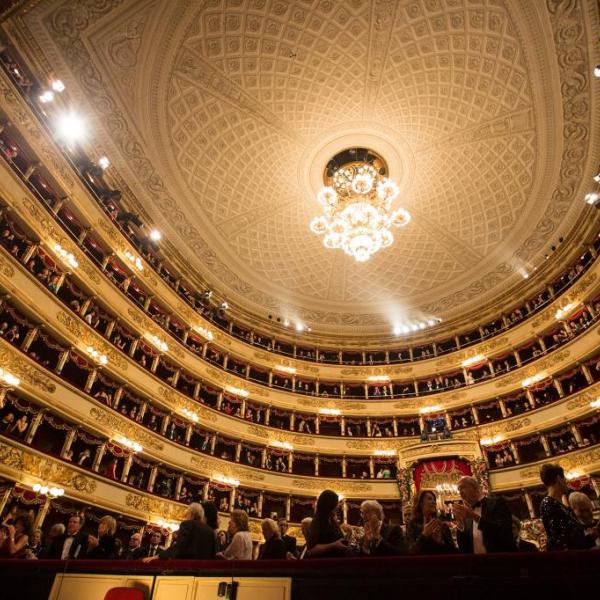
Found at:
<point>440,466</point>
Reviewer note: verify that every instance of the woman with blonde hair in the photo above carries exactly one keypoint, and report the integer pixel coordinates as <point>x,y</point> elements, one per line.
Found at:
<point>274,546</point>
<point>103,546</point>
<point>240,547</point>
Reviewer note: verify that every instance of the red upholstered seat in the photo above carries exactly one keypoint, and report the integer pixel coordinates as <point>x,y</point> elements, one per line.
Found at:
<point>124,593</point>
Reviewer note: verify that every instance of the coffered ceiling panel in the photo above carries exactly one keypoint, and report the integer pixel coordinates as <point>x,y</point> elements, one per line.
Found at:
<point>485,108</point>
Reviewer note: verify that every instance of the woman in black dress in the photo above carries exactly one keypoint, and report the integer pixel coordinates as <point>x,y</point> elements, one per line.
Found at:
<point>425,532</point>
<point>274,546</point>
<point>325,538</point>
<point>563,529</point>
<point>103,546</point>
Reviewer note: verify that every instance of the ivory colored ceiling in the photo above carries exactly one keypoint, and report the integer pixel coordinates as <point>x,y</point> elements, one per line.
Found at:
<point>220,115</point>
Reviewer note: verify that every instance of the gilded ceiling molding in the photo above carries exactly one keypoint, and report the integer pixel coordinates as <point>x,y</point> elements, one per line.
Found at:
<point>18,365</point>
<point>341,486</point>
<point>5,267</point>
<point>541,365</point>
<point>118,425</point>
<point>178,402</point>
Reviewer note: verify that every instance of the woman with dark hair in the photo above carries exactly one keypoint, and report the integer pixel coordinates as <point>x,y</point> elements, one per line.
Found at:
<point>325,538</point>
<point>425,532</point>
<point>211,514</point>
<point>564,530</point>
<point>18,536</point>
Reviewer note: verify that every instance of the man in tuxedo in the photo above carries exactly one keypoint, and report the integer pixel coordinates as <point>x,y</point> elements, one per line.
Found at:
<point>73,543</point>
<point>521,545</point>
<point>584,511</point>
<point>484,522</point>
<point>195,539</point>
<point>288,540</point>
<point>379,539</point>
<point>153,548</point>
<point>134,549</point>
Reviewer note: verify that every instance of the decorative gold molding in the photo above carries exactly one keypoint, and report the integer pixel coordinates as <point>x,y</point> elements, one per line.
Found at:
<point>211,466</point>
<point>20,366</point>
<point>341,486</point>
<point>152,506</point>
<point>129,430</point>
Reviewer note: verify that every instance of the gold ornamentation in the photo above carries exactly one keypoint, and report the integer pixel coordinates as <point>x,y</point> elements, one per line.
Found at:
<point>144,504</point>
<point>11,457</point>
<point>339,485</point>
<point>541,365</point>
<point>20,366</point>
<point>179,401</point>
<point>129,430</point>
<point>212,465</point>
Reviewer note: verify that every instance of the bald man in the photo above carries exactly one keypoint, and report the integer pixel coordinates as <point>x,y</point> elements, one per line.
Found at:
<point>484,522</point>
<point>134,550</point>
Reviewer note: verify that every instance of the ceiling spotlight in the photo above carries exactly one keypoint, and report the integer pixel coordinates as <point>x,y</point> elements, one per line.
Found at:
<point>286,323</point>
<point>431,322</point>
<point>58,86</point>
<point>155,235</point>
<point>103,163</point>
<point>71,127</point>
<point>597,70</point>
<point>398,330</point>
<point>422,325</point>
<point>46,97</point>
<point>597,178</point>
<point>299,327</point>
<point>591,198</point>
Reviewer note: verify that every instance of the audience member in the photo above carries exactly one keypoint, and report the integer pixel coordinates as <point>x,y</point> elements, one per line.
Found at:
<point>240,547</point>
<point>379,539</point>
<point>563,529</point>
<point>73,543</point>
<point>325,538</point>
<point>195,539</point>
<point>305,528</point>
<point>290,542</point>
<point>426,532</point>
<point>103,546</point>
<point>153,548</point>
<point>134,549</point>
<point>520,544</point>
<point>274,546</point>
<point>484,523</point>
<point>17,536</point>
<point>35,547</point>
<point>584,511</point>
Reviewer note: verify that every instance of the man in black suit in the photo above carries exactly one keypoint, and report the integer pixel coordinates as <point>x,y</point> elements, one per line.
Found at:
<point>484,522</point>
<point>72,544</point>
<point>288,540</point>
<point>195,539</point>
<point>379,539</point>
<point>153,548</point>
<point>134,550</point>
<point>521,545</point>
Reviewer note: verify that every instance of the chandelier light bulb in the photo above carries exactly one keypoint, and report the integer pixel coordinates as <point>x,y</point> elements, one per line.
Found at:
<point>103,163</point>
<point>155,235</point>
<point>58,86</point>
<point>357,211</point>
<point>46,97</point>
<point>597,71</point>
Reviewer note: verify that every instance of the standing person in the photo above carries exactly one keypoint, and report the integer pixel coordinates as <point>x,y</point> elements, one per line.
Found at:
<point>274,546</point>
<point>73,543</point>
<point>240,547</point>
<point>379,539</point>
<point>426,533</point>
<point>484,522</point>
<point>520,544</point>
<point>584,511</point>
<point>325,538</point>
<point>102,546</point>
<point>562,527</point>
<point>290,541</point>
<point>195,539</point>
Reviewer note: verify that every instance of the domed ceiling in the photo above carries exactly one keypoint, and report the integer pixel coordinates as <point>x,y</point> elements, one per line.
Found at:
<point>221,115</point>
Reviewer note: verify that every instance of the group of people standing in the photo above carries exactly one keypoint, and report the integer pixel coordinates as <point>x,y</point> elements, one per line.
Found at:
<point>477,524</point>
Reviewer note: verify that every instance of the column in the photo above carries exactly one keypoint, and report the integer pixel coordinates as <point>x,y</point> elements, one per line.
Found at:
<point>268,416</point>
<point>544,441</point>
<point>372,467</point>
<point>344,466</point>
<point>448,421</point>
<point>530,398</point>
<point>290,462</point>
<point>165,424</point>
<point>29,338</point>
<point>147,302</point>
<point>395,426</point>
<point>154,364</point>
<point>152,479</point>
<point>502,406</point>
<point>133,347</point>
<point>288,507</point>
<point>5,497</point>
<point>61,362</point>
<point>117,397</point>
<point>529,503</point>
<point>261,499</point>
<point>317,423</point>
<point>188,434</point>
<point>126,468</point>
<point>98,458</point>
<point>369,426</point>
<point>576,434</point>
<point>316,465</point>
<point>343,425</point>
<point>515,452</point>
<point>35,423</point>
<point>475,415</point>
<point>263,458</point>
<point>41,514</point>
<point>205,490</point>
<point>517,358</point>
<point>345,510</point>
<point>559,388</point>
<point>586,372</point>
<point>213,443</point>
<point>90,380</point>
<point>68,442</point>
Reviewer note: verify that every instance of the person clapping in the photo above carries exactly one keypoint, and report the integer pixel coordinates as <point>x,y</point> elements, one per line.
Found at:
<point>426,532</point>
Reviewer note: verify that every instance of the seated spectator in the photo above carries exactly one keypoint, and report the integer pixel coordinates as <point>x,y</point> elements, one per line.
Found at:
<point>195,539</point>
<point>379,539</point>
<point>56,531</point>
<point>484,523</point>
<point>35,547</point>
<point>274,546</point>
<point>211,515</point>
<point>103,546</point>
<point>17,537</point>
<point>521,545</point>
<point>134,549</point>
<point>563,529</point>
<point>426,532</point>
<point>290,542</point>
<point>153,548</point>
<point>72,544</point>
<point>584,511</point>
<point>305,528</point>
<point>325,538</point>
<point>240,547</point>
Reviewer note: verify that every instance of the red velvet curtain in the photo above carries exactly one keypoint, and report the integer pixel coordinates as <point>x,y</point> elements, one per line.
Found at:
<point>448,465</point>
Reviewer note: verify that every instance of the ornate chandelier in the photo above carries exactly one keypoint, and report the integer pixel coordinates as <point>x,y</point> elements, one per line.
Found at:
<point>357,210</point>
